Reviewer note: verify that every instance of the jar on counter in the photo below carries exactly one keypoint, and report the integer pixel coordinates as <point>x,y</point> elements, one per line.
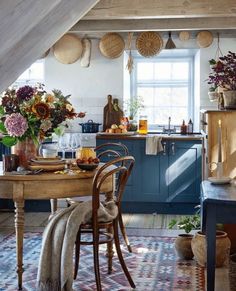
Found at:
<point>143,124</point>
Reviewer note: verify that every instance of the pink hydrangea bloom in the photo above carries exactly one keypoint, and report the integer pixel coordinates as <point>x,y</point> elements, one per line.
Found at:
<point>16,124</point>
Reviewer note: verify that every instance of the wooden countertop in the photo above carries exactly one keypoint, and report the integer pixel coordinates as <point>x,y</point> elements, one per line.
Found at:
<point>216,110</point>
<point>164,136</point>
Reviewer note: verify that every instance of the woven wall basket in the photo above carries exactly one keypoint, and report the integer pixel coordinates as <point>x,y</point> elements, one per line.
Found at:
<point>184,35</point>
<point>149,43</point>
<point>68,49</point>
<point>204,38</point>
<point>111,45</point>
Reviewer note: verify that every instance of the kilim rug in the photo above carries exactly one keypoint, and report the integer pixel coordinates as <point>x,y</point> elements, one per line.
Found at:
<point>153,266</point>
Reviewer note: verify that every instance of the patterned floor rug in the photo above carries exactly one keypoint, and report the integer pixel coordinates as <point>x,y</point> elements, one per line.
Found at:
<point>153,265</point>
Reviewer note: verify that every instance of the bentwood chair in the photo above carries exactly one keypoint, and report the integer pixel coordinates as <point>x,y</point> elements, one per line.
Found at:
<point>120,167</point>
<point>105,152</point>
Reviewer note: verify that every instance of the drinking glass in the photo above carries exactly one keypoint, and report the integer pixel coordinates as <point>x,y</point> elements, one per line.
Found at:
<point>73,143</point>
<point>63,145</point>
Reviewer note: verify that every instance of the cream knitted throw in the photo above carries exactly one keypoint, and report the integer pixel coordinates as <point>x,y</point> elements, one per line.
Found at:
<point>55,272</point>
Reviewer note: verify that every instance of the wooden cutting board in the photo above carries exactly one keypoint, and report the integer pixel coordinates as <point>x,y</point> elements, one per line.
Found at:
<point>110,115</point>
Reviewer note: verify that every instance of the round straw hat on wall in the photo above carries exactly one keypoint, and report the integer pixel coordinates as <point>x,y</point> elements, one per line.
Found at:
<point>111,45</point>
<point>204,38</point>
<point>68,49</point>
<point>149,43</point>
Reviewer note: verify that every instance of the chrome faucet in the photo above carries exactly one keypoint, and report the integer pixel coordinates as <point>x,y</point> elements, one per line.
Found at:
<point>169,120</point>
<point>169,130</point>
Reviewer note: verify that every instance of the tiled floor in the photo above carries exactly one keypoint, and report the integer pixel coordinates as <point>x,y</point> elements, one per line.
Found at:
<point>136,224</point>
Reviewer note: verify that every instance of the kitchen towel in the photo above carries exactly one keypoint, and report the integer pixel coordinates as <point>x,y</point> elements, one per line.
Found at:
<point>153,145</point>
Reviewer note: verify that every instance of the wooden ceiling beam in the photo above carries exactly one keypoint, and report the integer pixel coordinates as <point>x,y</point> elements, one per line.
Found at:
<point>28,28</point>
<point>137,9</point>
<point>214,23</point>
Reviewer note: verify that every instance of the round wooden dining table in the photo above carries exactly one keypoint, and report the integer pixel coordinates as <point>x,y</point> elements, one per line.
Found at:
<point>43,186</point>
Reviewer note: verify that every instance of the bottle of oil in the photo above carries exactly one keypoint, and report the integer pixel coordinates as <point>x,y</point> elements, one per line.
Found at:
<point>143,124</point>
<point>183,128</point>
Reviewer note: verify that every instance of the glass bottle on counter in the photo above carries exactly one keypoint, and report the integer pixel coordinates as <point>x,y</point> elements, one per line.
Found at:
<point>143,124</point>
<point>183,128</point>
<point>190,127</point>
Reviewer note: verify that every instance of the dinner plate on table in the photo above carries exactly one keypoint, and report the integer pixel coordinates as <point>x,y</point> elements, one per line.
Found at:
<point>48,161</point>
<point>219,181</point>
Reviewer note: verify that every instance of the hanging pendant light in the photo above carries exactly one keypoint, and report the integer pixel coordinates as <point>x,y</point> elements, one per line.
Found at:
<point>170,44</point>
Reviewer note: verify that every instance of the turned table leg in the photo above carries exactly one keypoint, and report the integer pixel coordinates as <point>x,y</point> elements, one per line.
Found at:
<point>19,228</point>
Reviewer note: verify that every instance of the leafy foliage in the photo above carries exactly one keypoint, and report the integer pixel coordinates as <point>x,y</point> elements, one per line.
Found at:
<point>187,223</point>
<point>223,72</point>
<point>134,105</point>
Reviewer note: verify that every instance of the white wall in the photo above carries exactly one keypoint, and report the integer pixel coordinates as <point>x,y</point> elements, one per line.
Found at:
<point>89,87</point>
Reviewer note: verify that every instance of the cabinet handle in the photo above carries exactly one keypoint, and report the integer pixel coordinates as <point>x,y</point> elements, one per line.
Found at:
<point>164,148</point>
<point>173,148</point>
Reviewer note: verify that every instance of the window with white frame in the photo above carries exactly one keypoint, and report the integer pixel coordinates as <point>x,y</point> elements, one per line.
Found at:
<point>165,84</point>
<point>33,75</point>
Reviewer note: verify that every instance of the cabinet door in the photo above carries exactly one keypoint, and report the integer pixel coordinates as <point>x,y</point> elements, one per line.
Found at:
<point>149,183</point>
<point>184,171</point>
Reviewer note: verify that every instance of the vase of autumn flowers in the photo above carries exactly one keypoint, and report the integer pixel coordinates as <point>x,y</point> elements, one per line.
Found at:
<point>223,76</point>
<point>29,115</point>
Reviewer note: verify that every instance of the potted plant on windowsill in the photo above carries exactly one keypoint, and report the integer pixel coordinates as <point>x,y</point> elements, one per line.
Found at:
<point>183,240</point>
<point>133,105</point>
<point>223,76</point>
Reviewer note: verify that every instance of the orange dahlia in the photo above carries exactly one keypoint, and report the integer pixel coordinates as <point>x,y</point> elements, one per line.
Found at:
<point>41,110</point>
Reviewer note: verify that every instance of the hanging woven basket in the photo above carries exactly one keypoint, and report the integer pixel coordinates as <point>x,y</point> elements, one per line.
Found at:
<point>111,45</point>
<point>204,38</point>
<point>68,49</point>
<point>149,43</point>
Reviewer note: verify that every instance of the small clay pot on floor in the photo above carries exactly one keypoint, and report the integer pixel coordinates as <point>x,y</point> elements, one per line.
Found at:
<point>222,248</point>
<point>183,246</point>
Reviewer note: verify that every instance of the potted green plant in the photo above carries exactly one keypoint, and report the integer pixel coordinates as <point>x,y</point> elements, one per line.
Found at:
<point>223,75</point>
<point>183,240</point>
<point>133,105</point>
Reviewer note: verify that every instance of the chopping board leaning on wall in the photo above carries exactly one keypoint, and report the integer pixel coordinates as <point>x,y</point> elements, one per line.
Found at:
<point>112,113</point>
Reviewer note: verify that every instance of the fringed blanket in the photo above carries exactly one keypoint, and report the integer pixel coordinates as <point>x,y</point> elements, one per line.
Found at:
<point>55,272</point>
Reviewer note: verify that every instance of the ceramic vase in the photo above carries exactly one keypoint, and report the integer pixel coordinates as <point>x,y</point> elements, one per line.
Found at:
<point>222,248</point>
<point>26,150</point>
<point>183,246</point>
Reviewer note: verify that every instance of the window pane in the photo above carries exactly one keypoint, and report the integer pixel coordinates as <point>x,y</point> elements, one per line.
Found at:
<point>162,71</point>
<point>144,71</point>
<point>147,94</point>
<point>159,116</point>
<point>169,96</point>
<point>165,83</point>
<point>34,74</point>
<point>180,71</point>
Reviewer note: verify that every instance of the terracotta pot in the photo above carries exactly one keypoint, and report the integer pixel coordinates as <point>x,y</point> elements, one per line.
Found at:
<point>229,99</point>
<point>222,248</point>
<point>26,150</point>
<point>183,246</point>
<point>213,96</point>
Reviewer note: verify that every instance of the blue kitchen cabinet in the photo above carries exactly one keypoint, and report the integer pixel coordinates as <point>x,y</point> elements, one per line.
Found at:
<point>184,172</point>
<point>168,182</point>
